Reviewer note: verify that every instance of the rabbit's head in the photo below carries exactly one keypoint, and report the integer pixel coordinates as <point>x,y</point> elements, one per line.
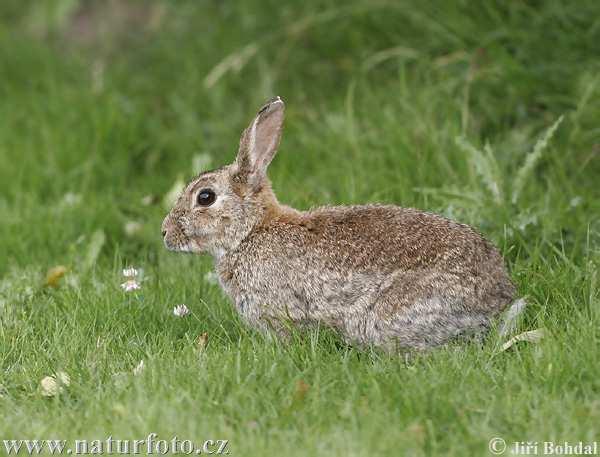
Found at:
<point>219,208</point>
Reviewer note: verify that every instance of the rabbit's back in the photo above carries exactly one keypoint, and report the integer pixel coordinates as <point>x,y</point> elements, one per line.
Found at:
<point>388,237</point>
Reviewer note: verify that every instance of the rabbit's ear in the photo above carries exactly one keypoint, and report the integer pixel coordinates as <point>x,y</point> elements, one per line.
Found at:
<point>259,143</point>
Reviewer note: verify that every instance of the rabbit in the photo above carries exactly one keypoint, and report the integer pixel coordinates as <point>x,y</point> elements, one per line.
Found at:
<point>380,275</point>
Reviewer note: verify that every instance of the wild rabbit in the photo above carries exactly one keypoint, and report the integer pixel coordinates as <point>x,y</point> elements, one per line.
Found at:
<point>381,275</point>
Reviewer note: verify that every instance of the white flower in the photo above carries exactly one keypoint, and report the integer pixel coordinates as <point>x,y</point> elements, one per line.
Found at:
<point>130,272</point>
<point>139,368</point>
<point>181,311</point>
<point>131,285</point>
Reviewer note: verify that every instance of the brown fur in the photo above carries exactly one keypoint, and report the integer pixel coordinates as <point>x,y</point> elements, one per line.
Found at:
<point>379,274</point>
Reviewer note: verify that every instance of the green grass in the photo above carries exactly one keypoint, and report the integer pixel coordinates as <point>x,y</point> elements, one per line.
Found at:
<point>428,104</point>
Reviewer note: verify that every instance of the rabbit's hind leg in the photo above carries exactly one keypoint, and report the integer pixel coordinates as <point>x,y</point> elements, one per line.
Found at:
<point>424,309</point>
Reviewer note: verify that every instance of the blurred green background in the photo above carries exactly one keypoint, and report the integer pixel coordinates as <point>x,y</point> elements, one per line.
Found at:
<point>113,100</point>
<point>486,112</point>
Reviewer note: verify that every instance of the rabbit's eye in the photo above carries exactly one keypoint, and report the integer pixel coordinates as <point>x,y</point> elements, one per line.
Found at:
<point>206,197</point>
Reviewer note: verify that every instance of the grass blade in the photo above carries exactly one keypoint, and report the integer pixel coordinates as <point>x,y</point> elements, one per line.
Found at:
<point>532,160</point>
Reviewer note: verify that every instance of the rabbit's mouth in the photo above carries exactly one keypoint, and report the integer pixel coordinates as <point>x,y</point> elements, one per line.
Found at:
<point>181,248</point>
<point>175,239</point>
<point>176,247</point>
<point>185,246</point>
<point>175,242</point>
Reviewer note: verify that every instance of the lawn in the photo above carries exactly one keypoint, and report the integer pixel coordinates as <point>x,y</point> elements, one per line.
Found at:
<point>486,112</point>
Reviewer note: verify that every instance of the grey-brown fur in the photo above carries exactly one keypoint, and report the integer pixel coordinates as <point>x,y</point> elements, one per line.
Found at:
<point>379,274</point>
